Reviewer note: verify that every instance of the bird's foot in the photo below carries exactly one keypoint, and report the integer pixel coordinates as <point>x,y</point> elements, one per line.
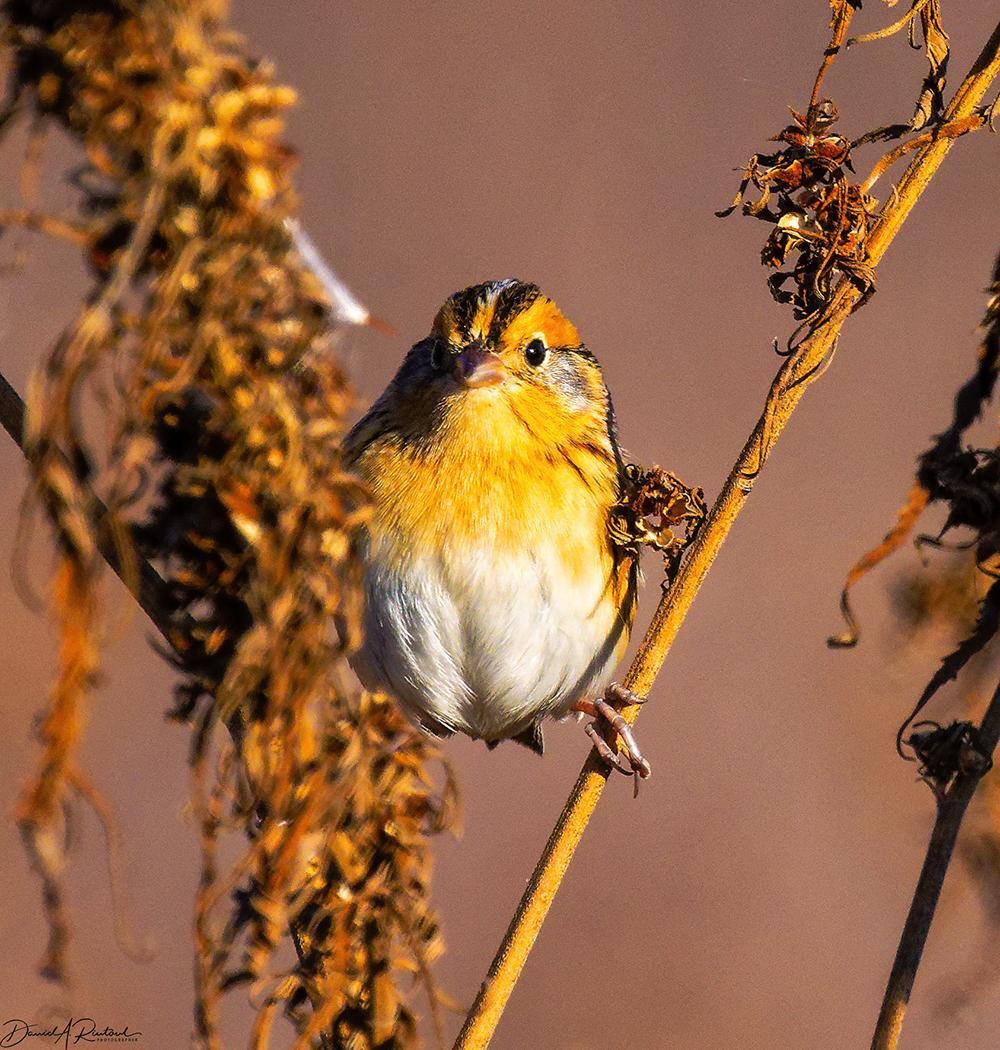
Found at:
<point>629,760</point>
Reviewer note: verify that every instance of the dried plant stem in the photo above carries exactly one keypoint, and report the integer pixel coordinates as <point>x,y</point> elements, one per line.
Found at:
<point>804,366</point>
<point>142,580</point>
<point>843,13</point>
<point>12,412</point>
<point>951,810</point>
<point>146,585</point>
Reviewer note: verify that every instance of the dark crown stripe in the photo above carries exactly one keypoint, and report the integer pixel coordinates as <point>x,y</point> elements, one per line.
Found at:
<point>463,309</point>
<point>512,298</point>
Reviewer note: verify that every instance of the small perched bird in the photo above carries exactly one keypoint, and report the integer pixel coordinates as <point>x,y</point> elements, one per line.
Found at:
<point>495,596</point>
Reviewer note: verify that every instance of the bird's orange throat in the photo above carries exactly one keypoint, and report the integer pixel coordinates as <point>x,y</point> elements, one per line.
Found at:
<point>494,470</point>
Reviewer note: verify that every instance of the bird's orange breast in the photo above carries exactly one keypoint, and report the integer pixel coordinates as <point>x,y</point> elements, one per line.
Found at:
<point>488,479</point>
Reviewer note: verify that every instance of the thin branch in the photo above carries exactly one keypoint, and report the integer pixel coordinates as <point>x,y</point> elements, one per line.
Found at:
<point>951,810</point>
<point>950,129</point>
<point>149,588</point>
<point>12,412</point>
<point>881,34</point>
<point>843,13</point>
<point>804,366</point>
<point>146,586</point>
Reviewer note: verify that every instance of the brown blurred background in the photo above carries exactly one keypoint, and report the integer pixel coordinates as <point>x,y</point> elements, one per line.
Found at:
<point>753,895</point>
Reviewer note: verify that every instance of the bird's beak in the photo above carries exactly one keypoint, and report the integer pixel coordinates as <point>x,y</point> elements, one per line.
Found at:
<point>476,367</point>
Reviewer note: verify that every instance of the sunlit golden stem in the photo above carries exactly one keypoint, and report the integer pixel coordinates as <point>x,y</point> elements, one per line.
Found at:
<point>798,371</point>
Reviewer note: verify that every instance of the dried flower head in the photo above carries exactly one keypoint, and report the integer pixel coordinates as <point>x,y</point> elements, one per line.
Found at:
<point>657,510</point>
<point>820,218</point>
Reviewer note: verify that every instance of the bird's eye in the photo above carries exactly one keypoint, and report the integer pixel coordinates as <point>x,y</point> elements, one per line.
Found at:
<point>536,351</point>
<point>438,356</point>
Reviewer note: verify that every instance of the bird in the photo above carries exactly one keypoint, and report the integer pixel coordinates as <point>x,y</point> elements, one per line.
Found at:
<point>495,596</point>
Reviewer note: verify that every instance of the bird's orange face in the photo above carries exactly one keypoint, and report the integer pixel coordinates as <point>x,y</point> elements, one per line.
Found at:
<point>502,357</point>
<point>506,329</point>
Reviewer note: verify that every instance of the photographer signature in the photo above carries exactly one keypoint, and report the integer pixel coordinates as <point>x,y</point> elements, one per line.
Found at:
<point>75,1031</point>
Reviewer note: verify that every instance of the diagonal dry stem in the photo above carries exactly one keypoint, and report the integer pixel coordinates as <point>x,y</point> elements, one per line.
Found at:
<point>802,368</point>
<point>951,810</point>
<point>146,587</point>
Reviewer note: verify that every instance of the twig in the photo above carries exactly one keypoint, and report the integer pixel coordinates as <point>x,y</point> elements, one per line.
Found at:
<point>951,129</point>
<point>148,590</point>
<point>147,587</point>
<point>881,34</point>
<point>951,809</point>
<point>789,385</point>
<point>843,13</point>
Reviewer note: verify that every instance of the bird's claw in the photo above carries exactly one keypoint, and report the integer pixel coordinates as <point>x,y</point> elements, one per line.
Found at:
<point>637,763</point>
<point>606,751</point>
<point>630,760</point>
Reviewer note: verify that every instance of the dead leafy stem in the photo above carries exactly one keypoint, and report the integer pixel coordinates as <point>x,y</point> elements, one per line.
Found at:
<point>967,481</point>
<point>821,216</point>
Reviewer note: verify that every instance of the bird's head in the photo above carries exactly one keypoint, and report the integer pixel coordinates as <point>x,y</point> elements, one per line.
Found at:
<point>503,350</point>
<point>502,388</point>
<point>503,332</point>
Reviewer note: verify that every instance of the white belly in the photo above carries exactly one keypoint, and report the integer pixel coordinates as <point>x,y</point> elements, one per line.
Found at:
<point>486,644</point>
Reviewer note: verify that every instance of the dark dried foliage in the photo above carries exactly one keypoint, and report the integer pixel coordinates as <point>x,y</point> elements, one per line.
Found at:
<point>821,215</point>
<point>983,632</point>
<point>962,594</point>
<point>659,511</point>
<point>227,407</point>
<point>947,751</point>
<point>966,480</point>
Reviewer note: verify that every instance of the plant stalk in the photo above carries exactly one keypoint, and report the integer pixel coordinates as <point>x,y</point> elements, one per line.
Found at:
<point>951,810</point>
<point>803,367</point>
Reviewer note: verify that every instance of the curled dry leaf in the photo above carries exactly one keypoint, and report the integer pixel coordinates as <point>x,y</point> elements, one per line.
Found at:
<point>657,510</point>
